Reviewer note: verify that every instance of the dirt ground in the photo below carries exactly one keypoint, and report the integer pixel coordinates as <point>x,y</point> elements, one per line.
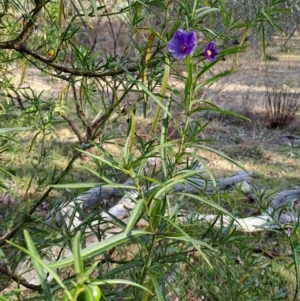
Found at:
<point>253,143</point>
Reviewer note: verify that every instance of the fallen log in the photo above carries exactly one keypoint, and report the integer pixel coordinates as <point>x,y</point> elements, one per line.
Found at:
<point>101,195</point>
<point>279,212</point>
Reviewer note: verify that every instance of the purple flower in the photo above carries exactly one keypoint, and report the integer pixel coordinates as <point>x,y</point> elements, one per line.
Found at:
<point>210,51</point>
<point>182,44</point>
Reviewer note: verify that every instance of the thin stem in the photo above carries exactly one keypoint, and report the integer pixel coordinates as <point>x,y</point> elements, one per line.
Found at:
<point>296,263</point>
<point>243,37</point>
<point>189,95</point>
<point>146,266</point>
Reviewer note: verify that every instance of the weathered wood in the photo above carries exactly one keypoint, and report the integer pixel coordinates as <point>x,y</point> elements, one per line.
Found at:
<point>102,195</point>
<point>279,211</point>
<point>287,197</point>
<point>291,140</point>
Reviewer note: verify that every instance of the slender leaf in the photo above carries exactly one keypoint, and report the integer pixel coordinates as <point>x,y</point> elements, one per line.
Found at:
<point>78,262</point>
<point>186,237</point>
<point>5,130</point>
<point>40,264</point>
<point>134,216</point>
<point>157,288</point>
<point>99,248</point>
<point>121,281</point>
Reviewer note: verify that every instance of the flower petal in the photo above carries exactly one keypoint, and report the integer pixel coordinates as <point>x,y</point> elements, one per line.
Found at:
<point>210,51</point>
<point>182,44</point>
<point>191,38</point>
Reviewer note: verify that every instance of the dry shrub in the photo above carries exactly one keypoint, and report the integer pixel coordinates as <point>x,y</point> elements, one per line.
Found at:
<point>281,105</point>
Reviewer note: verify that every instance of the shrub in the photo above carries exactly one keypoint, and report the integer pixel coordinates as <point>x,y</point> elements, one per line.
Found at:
<point>70,41</point>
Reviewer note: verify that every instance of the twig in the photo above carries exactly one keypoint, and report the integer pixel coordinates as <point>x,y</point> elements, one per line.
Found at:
<point>20,280</point>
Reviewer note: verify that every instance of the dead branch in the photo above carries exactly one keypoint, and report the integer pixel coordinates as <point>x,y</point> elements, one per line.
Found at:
<point>20,280</point>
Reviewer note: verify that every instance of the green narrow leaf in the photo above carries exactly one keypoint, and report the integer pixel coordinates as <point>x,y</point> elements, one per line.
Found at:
<point>130,136</point>
<point>207,170</point>
<point>23,71</point>
<point>222,155</point>
<point>8,173</point>
<point>146,90</point>
<point>78,262</point>
<point>84,10</point>
<point>134,216</point>
<point>180,178</point>
<point>157,288</point>
<point>38,267</point>
<point>164,138</point>
<point>207,201</point>
<point>214,79</point>
<point>40,262</point>
<point>196,243</point>
<point>106,162</point>
<point>120,281</point>
<point>90,270</point>
<point>32,141</point>
<point>269,20</point>
<point>76,185</point>
<point>99,248</point>
<point>15,129</point>
<point>297,268</point>
<point>95,8</point>
<point>123,268</point>
<point>155,210</point>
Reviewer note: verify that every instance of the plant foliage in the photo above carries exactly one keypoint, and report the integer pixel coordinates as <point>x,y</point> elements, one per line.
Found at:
<point>110,72</point>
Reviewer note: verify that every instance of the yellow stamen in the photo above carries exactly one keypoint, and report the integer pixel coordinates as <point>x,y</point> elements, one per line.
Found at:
<point>183,47</point>
<point>208,52</point>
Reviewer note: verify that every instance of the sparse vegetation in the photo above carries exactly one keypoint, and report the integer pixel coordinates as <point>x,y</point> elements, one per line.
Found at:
<point>281,107</point>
